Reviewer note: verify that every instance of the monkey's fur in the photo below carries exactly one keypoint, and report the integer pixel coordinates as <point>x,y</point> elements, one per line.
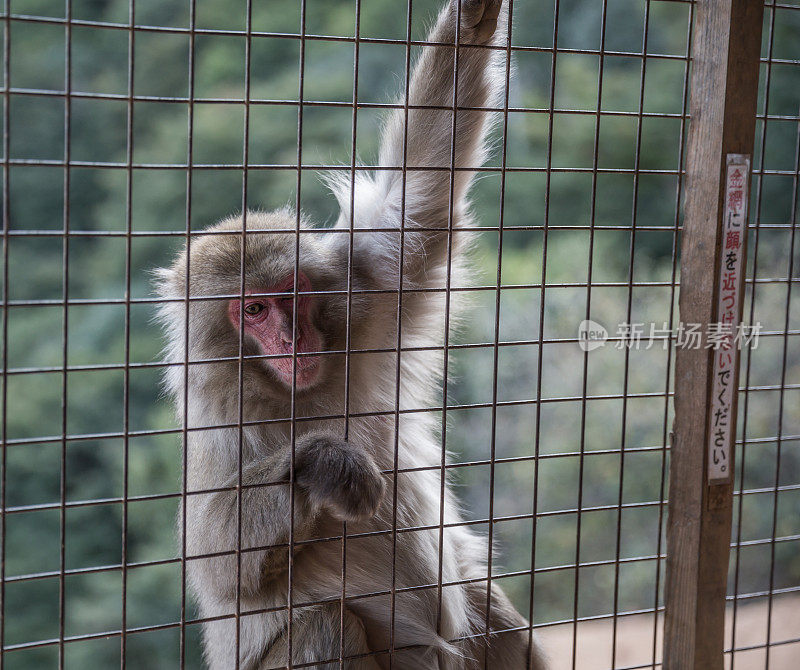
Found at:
<point>338,480</point>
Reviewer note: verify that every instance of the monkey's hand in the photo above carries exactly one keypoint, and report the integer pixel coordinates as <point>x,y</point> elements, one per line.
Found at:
<point>478,20</point>
<point>339,478</point>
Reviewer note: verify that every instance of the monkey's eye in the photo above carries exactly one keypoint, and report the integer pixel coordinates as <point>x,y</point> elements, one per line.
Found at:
<point>253,308</point>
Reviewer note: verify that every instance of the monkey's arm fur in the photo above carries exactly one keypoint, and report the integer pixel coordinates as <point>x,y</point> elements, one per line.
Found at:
<point>330,476</point>
<point>438,153</point>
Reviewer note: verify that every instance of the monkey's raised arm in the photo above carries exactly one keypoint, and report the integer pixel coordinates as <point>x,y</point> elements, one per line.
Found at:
<point>426,142</point>
<point>429,141</point>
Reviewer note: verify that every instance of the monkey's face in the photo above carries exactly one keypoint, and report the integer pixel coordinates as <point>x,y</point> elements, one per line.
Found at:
<point>287,328</point>
<point>276,323</point>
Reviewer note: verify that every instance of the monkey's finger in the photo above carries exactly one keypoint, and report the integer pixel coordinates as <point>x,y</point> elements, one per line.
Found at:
<point>492,10</point>
<point>471,12</point>
<point>475,11</point>
<point>479,17</point>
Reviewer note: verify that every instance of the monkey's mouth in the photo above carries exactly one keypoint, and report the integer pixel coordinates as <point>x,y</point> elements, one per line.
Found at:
<point>302,369</point>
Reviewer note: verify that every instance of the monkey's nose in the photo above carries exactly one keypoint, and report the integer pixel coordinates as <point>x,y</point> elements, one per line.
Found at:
<point>286,341</point>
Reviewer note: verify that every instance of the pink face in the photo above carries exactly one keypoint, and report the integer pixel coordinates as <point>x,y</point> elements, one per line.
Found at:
<point>269,321</point>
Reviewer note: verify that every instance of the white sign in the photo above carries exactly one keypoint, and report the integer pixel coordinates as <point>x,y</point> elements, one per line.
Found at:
<point>726,357</point>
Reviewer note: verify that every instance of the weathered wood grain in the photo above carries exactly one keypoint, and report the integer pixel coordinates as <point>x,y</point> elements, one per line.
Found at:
<point>725,68</point>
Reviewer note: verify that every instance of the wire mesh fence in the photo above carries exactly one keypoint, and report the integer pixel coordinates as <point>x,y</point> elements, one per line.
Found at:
<point>131,126</point>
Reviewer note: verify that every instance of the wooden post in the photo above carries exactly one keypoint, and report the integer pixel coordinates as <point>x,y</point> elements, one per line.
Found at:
<point>725,68</point>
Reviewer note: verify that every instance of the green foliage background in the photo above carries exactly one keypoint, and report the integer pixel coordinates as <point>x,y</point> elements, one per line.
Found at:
<point>609,252</point>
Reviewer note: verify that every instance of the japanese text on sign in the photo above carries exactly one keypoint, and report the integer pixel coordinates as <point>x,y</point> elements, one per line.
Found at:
<point>734,229</point>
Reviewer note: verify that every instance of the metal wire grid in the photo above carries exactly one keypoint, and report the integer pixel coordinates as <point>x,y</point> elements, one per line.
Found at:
<point>538,401</point>
<point>773,648</point>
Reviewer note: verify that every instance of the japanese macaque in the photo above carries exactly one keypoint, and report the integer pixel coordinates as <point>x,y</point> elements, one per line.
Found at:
<point>295,423</point>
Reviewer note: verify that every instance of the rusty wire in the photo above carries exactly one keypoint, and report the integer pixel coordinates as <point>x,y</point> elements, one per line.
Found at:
<point>537,398</point>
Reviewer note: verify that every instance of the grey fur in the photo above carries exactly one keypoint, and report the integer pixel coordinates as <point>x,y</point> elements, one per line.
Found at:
<point>334,479</point>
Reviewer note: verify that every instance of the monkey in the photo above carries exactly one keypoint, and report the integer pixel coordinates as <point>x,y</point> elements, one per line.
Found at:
<point>317,521</point>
